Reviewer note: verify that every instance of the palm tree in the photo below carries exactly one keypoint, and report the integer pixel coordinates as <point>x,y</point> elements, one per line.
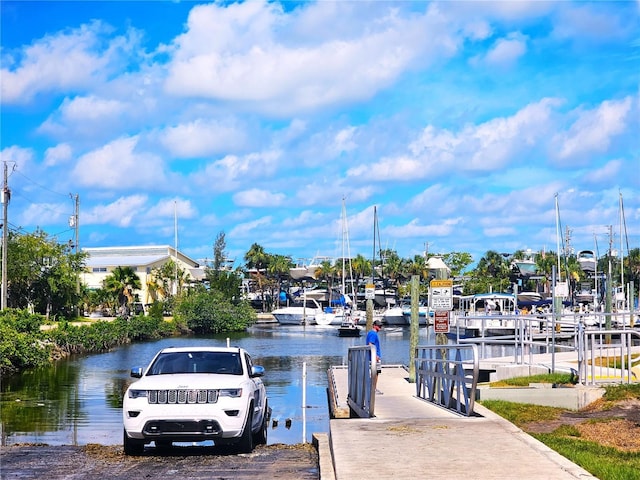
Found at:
<point>278,267</point>
<point>256,258</point>
<point>122,282</point>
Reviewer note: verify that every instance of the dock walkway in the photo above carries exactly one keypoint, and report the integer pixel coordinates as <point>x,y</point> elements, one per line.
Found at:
<point>409,438</point>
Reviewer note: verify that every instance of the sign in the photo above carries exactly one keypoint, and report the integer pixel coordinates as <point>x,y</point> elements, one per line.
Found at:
<point>441,321</point>
<point>369,291</point>
<point>441,294</point>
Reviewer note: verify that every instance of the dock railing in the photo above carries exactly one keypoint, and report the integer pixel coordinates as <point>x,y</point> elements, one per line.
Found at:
<point>447,375</point>
<point>362,379</point>
<point>605,356</point>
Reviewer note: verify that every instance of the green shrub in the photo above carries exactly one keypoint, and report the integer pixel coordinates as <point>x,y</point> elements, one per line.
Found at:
<point>209,312</point>
<point>20,349</point>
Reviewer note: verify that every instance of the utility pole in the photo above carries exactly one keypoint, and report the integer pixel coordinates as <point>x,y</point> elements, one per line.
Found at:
<point>6,196</point>
<point>74,221</point>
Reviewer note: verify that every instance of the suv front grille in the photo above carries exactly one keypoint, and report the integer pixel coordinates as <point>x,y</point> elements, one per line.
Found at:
<point>182,396</point>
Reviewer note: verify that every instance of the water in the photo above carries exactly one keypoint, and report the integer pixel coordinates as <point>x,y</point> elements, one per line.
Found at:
<point>78,401</point>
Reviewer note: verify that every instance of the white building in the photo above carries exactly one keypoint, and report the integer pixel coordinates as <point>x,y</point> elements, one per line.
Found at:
<point>101,262</point>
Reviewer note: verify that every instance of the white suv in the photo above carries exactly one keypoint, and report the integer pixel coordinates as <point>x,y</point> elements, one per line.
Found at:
<point>193,394</point>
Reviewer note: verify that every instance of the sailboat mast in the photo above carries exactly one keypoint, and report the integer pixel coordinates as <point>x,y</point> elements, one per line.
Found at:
<point>622,251</point>
<point>558,233</point>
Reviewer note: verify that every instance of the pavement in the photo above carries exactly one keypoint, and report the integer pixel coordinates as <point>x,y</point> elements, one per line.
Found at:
<point>410,438</point>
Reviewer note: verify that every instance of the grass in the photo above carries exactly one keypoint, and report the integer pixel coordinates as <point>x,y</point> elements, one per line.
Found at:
<point>556,378</point>
<point>522,413</point>
<point>604,462</point>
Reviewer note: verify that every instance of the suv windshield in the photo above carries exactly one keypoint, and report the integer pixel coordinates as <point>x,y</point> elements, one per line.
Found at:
<point>197,362</point>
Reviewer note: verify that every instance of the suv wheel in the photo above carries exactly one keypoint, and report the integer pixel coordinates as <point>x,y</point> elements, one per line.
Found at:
<point>260,437</point>
<point>245,445</point>
<point>131,445</point>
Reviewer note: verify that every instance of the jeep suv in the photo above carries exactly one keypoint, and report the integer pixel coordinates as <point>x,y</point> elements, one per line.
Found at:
<point>193,394</point>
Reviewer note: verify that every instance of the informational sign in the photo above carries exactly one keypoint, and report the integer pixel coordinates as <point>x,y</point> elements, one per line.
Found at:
<point>369,291</point>
<point>441,295</point>
<point>441,321</point>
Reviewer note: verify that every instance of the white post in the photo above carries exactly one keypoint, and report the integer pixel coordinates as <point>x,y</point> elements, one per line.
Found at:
<point>228,342</point>
<point>304,402</point>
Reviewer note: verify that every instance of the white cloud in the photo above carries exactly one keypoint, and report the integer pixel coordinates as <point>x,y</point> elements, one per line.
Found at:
<point>506,51</point>
<point>258,198</point>
<point>251,230</point>
<point>118,166</point>
<point>238,52</point>
<point>484,147</point>
<point>594,129</point>
<point>91,108</point>
<point>21,157</point>
<point>170,207</point>
<point>120,213</point>
<point>57,155</point>
<point>608,172</point>
<point>203,137</point>
<point>233,171</point>
<point>70,60</point>
<point>42,214</point>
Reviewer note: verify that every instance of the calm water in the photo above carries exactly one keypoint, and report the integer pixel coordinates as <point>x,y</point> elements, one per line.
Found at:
<point>79,400</point>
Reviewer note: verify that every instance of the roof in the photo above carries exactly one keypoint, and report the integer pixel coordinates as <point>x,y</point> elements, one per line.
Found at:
<point>124,260</point>
<point>134,255</point>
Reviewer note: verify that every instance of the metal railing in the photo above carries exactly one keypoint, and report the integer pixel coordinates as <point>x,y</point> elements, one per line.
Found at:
<point>446,376</point>
<point>605,356</point>
<point>362,379</point>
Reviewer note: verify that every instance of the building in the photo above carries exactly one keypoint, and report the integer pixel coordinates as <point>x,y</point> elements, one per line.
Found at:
<point>101,262</point>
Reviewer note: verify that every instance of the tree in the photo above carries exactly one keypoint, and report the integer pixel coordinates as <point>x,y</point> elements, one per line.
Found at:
<point>278,268</point>
<point>229,284</point>
<point>457,262</point>
<point>42,275</point>
<point>256,259</point>
<point>121,283</point>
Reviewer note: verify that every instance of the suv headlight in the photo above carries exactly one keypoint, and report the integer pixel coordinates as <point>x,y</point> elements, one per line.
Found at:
<point>137,393</point>
<point>231,392</point>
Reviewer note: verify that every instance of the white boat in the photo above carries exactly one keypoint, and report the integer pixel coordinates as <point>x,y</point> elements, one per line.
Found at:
<point>307,270</point>
<point>350,325</point>
<point>587,260</point>
<point>424,314</point>
<point>298,314</point>
<point>394,316</point>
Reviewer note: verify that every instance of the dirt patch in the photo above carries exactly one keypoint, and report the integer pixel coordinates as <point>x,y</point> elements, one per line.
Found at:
<point>287,462</point>
<point>610,424</point>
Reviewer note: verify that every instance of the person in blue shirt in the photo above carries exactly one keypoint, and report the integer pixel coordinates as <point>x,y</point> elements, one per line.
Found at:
<point>373,339</point>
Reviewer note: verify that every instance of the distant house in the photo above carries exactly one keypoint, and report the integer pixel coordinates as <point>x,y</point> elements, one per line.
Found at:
<point>101,262</point>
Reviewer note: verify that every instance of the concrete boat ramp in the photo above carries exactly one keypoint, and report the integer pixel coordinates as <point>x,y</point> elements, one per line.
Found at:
<point>410,438</point>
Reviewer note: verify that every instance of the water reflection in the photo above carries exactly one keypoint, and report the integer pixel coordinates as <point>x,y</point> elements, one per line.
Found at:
<point>79,400</point>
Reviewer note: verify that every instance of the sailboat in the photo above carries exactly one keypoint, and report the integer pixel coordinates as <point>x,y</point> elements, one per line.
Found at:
<point>335,315</point>
<point>348,315</point>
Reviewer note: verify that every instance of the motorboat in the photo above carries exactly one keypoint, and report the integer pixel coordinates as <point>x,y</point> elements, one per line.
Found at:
<point>298,314</point>
<point>394,316</point>
<point>587,260</point>
<point>349,326</point>
<point>306,270</point>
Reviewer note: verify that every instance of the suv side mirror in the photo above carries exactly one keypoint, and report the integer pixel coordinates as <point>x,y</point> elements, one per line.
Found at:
<point>136,372</point>
<point>257,371</point>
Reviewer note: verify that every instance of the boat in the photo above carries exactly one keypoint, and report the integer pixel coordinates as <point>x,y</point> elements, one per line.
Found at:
<point>394,316</point>
<point>307,270</point>
<point>424,313</point>
<point>298,314</point>
<point>485,314</point>
<point>349,326</point>
<point>587,260</point>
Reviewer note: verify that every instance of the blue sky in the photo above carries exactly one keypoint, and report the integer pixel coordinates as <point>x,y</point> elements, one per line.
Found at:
<point>461,122</point>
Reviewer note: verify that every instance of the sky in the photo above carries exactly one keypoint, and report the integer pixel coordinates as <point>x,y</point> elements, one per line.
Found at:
<point>467,126</point>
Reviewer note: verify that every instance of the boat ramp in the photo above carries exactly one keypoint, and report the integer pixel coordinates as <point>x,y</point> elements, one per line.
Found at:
<point>411,438</point>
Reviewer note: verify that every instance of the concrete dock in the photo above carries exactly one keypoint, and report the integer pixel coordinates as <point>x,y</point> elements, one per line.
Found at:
<point>410,438</point>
